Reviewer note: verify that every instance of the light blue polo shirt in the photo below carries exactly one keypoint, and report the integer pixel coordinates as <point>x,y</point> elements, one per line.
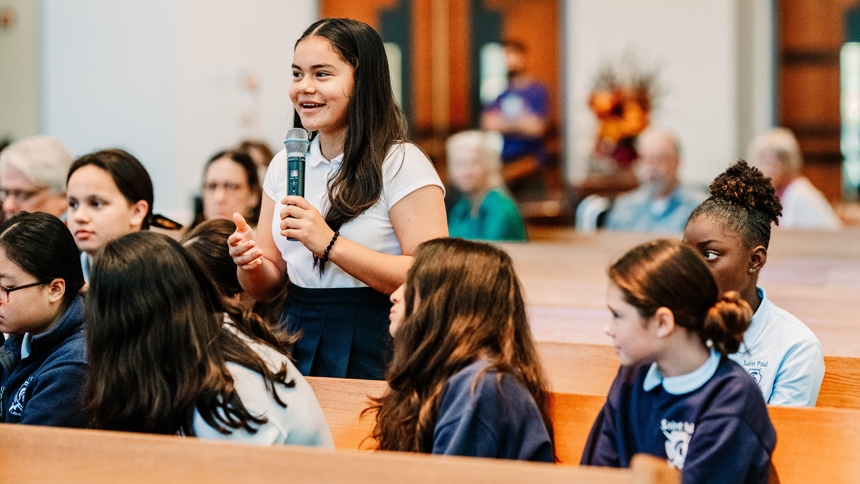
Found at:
<point>782,355</point>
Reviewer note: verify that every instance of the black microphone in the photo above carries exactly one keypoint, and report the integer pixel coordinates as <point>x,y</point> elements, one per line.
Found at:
<point>296,146</point>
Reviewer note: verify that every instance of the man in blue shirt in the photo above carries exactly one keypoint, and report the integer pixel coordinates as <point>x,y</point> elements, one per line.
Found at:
<point>660,204</point>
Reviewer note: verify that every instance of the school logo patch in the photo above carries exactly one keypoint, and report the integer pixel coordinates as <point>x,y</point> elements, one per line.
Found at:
<point>17,407</point>
<point>756,374</point>
<point>678,435</point>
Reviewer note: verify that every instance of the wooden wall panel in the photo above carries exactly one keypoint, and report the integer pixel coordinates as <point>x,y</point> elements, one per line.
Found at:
<point>810,95</point>
<point>364,10</point>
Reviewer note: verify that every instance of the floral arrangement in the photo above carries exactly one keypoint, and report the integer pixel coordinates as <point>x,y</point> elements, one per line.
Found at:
<point>622,99</point>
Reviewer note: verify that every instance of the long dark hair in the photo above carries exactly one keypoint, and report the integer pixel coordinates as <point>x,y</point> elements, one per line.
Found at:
<point>668,273</point>
<point>470,307</point>
<point>43,247</point>
<point>158,345</point>
<point>743,200</point>
<point>207,245</point>
<point>131,179</point>
<point>374,120</point>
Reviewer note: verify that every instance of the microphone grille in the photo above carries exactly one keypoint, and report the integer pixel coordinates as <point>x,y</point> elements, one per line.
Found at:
<point>296,143</point>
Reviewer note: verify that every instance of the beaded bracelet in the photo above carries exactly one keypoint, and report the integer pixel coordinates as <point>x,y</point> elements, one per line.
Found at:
<point>330,245</point>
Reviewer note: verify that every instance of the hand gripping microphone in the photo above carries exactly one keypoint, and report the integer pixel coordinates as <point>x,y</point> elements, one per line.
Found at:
<point>296,146</point>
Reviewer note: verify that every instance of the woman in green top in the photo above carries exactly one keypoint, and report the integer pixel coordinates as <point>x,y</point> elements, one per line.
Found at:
<point>486,211</point>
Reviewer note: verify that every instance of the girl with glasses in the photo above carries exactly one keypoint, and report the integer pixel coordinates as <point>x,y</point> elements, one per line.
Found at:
<point>43,363</point>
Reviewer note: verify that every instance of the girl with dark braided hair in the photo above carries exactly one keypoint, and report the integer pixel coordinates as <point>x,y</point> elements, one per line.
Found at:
<point>731,229</point>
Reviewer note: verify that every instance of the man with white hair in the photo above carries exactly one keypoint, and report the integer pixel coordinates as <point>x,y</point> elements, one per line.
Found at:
<point>660,204</point>
<point>777,154</point>
<point>33,176</point>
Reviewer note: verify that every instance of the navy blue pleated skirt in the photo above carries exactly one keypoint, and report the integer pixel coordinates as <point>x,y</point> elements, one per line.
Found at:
<point>344,331</point>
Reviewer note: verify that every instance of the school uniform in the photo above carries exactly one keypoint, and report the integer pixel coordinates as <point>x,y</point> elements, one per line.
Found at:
<point>42,376</point>
<point>782,355</point>
<point>712,424</point>
<point>343,323</point>
<point>500,419</point>
<point>300,422</point>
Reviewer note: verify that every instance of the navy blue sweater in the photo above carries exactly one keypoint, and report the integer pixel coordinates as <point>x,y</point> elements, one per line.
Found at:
<point>46,388</point>
<point>500,420</point>
<point>718,433</point>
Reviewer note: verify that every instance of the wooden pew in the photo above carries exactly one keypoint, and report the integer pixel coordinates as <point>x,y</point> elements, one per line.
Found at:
<point>813,444</point>
<point>53,455</point>
<point>589,369</point>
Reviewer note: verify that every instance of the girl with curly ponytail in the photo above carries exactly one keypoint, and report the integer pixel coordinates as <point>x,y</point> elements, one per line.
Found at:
<point>731,231</point>
<point>677,395</point>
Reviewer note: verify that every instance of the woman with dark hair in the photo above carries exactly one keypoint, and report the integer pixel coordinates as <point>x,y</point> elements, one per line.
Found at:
<point>230,185</point>
<point>43,363</point>
<point>110,195</point>
<point>731,230</point>
<point>260,152</point>
<point>370,199</point>
<point>677,395</point>
<point>465,378</point>
<point>169,356</point>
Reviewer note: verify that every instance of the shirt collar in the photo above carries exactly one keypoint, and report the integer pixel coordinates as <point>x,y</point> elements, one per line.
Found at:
<point>26,345</point>
<point>315,156</point>
<point>759,320</point>
<point>679,385</point>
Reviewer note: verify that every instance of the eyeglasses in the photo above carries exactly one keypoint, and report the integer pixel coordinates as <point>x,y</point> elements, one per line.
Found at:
<point>4,291</point>
<point>21,195</point>
<point>228,187</point>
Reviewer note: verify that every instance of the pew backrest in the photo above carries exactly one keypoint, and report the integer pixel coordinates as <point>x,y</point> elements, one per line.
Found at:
<point>589,369</point>
<point>72,456</point>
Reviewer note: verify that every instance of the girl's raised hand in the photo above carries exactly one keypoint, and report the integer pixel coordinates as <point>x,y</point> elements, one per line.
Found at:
<point>243,247</point>
<point>301,221</point>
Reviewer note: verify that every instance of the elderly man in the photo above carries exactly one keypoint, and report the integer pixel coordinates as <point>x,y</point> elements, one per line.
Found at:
<point>660,204</point>
<point>33,176</point>
<point>777,154</point>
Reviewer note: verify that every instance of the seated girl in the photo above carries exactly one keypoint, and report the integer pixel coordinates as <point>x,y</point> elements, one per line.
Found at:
<point>169,356</point>
<point>465,379</point>
<point>486,210</point>
<point>110,194</point>
<point>43,363</point>
<point>731,230</point>
<point>677,395</point>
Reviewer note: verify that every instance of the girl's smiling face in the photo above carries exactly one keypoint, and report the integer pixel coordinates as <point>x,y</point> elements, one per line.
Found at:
<point>322,86</point>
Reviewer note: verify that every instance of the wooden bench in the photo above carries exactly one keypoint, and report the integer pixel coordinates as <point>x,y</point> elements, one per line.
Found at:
<point>813,444</point>
<point>51,455</point>
<point>589,369</point>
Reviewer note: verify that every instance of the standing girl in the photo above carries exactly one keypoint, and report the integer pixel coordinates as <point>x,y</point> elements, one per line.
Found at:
<point>370,199</point>
<point>731,230</point>
<point>170,355</point>
<point>465,379</point>
<point>110,195</point>
<point>677,395</point>
<point>43,363</point>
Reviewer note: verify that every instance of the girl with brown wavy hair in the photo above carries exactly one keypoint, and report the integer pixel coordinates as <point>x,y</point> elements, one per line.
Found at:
<point>465,379</point>
<point>677,394</point>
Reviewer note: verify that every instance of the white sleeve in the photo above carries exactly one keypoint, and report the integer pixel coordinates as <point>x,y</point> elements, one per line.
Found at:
<point>275,184</point>
<point>405,170</point>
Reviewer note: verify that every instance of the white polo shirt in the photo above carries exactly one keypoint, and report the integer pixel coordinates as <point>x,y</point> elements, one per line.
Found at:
<point>301,422</point>
<point>405,169</point>
<point>782,355</point>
